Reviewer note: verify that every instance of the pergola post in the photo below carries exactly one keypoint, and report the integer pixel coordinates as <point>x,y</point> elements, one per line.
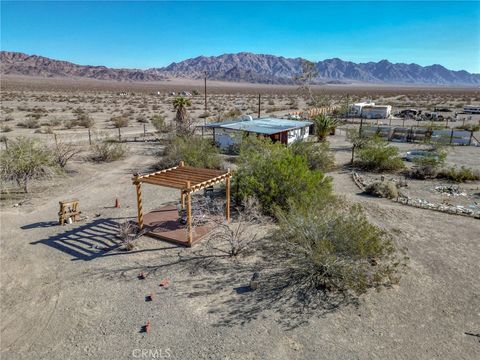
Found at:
<point>189,214</point>
<point>138,185</point>
<point>182,193</point>
<point>227,207</point>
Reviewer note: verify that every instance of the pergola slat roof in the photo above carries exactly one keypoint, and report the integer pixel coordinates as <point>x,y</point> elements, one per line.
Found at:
<point>184,177</point>
<point>187,179</point>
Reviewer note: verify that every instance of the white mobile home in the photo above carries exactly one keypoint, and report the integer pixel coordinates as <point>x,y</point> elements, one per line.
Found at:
<point>356,109</point>
<point>376,111</point>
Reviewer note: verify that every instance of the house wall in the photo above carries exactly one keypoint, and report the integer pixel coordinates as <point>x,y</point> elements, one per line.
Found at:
<point>298,134</point>
<point>225,138</point>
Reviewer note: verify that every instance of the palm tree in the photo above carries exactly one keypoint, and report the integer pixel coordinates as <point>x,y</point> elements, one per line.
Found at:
<point>324,125</point>
<point>181,118</point>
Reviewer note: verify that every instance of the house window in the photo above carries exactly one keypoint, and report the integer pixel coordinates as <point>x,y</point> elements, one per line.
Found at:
<point>302,132</point>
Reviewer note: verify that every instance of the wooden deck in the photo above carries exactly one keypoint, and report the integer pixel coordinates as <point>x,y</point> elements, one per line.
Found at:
<point>163,223</point>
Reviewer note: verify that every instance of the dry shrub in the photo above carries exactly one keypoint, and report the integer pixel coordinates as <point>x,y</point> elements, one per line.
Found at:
<point>64,152</point>
<point>108,150</point>
<point>127,232</point>
<point>119,121</point>
<point>385,189</point>
<point>463,174</point>
<point>238,235</point>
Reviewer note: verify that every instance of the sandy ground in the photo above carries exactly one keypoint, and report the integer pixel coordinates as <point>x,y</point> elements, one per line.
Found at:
<point>70,293</point>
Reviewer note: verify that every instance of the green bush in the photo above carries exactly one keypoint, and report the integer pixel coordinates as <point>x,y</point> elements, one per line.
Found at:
<point>108,150</point>
<point>385,189</point>
<point>427,167</point>
<point>459,175</point>
<point>25,160</point>
<point>332,246</point>
<point>318,155</point>
<point>274,175</point>
<point>193,151</point>
<point>377,155</point>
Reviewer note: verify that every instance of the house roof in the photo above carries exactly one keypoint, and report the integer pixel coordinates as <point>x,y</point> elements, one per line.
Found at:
<point>267,126</point>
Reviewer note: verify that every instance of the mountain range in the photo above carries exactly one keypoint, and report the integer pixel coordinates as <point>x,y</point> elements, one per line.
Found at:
<point>245,67</point>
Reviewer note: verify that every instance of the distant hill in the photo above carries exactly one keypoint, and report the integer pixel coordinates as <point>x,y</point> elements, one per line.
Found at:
<point>15,63</point>
<point>245,67</point>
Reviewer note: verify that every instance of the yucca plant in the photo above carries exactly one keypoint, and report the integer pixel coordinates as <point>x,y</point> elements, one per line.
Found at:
<point>180,104</point>
<point>324,125</point>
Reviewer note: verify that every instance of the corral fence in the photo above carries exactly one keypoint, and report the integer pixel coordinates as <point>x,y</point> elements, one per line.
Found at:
<point>421,135</point>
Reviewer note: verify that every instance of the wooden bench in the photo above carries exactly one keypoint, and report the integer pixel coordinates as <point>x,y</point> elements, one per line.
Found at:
<point>68,209</point>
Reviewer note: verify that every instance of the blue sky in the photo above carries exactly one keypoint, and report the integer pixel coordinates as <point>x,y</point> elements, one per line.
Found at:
<point>154,34</point>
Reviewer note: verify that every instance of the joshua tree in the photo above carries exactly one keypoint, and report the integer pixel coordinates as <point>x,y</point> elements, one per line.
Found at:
<point>182,118</point>
<point>324,125</point>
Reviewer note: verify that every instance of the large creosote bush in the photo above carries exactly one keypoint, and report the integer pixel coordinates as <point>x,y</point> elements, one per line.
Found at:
<point>26,160</point>
<point>377,155</point>
<point>274,174</point>
<point>193,151</point>
<point>318,155</point>
<point>332,246</point>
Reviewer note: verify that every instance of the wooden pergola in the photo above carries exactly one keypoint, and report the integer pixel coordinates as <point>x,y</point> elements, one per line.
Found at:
<point>187,179</point>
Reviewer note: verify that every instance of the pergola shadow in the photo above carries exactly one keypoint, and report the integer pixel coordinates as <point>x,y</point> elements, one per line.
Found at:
<point>86,242</point>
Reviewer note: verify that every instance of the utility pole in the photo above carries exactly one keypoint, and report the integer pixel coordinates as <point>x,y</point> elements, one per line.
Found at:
<point>259,106</point>
<point>205,83</point>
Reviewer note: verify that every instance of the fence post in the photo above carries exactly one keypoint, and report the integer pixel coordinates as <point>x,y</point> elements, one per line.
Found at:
<point>471,136</point>
<point>55,138</point>
<point>451,137</point>
<point>259,97</point>
<point>144,130</point>
<point>89,137</point>
<point>119,135</point>
<point>5,139</point>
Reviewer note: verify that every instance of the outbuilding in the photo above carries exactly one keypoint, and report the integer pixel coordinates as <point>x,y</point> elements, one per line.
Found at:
<point>376,111</point>
<point>230,133</point>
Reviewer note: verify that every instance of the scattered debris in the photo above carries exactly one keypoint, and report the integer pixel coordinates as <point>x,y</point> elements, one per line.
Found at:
<point>117,203</point>
<point>149,297</point>
<point>164,282</point>
<point>142,276</point>
<point>146,327</point>
<point>449,190</point>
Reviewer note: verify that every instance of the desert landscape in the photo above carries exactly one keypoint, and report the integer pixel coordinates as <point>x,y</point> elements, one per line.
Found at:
<point>74,291</point>
<point>239,180</point>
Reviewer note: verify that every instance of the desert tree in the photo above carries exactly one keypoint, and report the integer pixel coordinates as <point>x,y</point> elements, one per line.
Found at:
<point>26,160</point>
<point>357,140</point>
<point>306,80</point>
<point>182,117</point>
